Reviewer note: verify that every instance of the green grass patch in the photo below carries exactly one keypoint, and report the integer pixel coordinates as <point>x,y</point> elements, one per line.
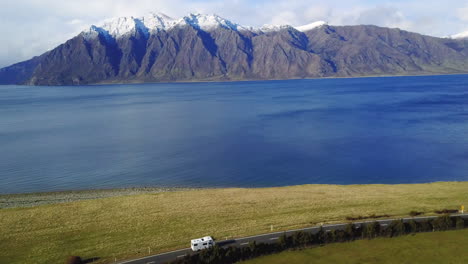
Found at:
<point>125,227</point>
<point>423,248</point>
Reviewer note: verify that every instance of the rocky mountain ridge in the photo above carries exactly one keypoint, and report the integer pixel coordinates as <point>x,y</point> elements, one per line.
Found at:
<point>157,48</point>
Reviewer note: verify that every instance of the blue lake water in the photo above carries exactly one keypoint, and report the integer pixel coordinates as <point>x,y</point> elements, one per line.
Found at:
<point>242,134</point>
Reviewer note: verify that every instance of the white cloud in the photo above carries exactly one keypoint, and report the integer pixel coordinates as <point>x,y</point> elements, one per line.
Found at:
<point>385,16</point>
<point>462,13</point>
<point>75,22</point>
<point>317,13</point>
<point>31,27</point>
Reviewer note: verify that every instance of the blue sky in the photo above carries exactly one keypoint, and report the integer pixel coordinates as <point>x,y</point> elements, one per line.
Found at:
<point>31,27</point>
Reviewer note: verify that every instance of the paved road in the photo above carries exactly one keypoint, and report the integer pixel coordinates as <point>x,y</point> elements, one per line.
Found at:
<point>267,238</point>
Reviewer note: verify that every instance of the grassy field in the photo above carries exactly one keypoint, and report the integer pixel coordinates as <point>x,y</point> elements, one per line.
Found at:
<point>127,226</point>
<point>439,247</point>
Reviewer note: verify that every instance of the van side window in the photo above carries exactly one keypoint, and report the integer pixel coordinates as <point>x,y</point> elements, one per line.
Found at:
<point>195,245</point>
<point>205,244</point>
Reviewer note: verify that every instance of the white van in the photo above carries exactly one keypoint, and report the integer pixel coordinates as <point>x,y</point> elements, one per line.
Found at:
<point>202,243</point>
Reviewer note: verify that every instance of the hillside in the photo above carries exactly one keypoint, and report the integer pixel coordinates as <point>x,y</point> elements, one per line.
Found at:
<point>125,226</point>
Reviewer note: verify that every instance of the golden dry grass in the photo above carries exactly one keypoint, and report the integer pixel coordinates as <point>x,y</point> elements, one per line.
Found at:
<point>124,227</point>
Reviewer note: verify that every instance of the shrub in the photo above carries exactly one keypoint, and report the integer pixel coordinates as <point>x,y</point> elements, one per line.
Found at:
<point>300,239</point>
<point>395,228</point>
<point>341,236</point>
<point>412,226</point>
<point>371,230</point>
<point>446,211</point>
<point>415,213</point>
<point>283,242</point>
<point>350,232</point>
<point>74,260</point>
<point>330,236</point>
<point>459,223</point>
<point>320,237</point>
<point>372,216</point>
<point>231,254</point>
<point>400,228</point>
<point>442,223</point>
<point>425,226</point>
<point>253,248</point>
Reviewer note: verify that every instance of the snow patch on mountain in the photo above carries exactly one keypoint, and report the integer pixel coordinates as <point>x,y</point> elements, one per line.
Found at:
<point>272,28</point>
<point>462,35</point>
<point>158,21</point>
<point>154,22</point>
<point>210,22</point>
<point>118,27</point>
<point>311,26</point>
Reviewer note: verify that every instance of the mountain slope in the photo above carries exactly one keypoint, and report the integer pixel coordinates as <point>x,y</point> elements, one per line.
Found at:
<point>199,47</point>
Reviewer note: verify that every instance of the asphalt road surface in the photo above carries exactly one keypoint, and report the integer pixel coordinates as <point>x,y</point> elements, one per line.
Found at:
<point>266,238</point>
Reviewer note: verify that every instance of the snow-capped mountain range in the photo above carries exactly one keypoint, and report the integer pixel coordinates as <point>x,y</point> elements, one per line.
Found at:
<point>197,47</point>
<point>154,22</point>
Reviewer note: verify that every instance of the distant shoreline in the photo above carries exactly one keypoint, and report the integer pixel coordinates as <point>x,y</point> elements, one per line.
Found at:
<point>266,80</point>
<point>22,200</point>
<point>249,80</point>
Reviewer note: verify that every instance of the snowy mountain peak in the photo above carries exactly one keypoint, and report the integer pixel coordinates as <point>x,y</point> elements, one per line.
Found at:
<point>158,21</point>
<point>311,26</point>
<point>462,35</point>
<point>154,22</point>
<point>209,22</point>
<point>304,28</point>
<point>122,26</point>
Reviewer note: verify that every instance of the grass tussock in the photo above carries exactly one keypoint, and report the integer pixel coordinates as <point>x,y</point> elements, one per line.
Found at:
<point>446,211</point>
<point>130,226</point>
<point>372,216</point>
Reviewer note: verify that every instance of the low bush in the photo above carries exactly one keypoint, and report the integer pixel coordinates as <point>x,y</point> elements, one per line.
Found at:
<point>412,226</point>
<point>442,223</point>
<point>415,213</point>
<point>74,260</point>
<point>459,223</point>
<point>395,228</point>
<point>446,211</point>
<point>372,216</point>
<point>371,230</point>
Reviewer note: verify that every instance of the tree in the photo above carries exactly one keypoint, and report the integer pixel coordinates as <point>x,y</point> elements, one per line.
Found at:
<point>399,228</point>
<point>459,223</point>
<point>442,223</point>
<point>330,236</point>
<point>425,226</point>
<point>371,230</point>
<point>350,232</point>
<point>320,236</point>
<point>253,248</point>
<point>341,236</point>
<point>283,242</point>
<point>412,226</point>
<point>300,239</point>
